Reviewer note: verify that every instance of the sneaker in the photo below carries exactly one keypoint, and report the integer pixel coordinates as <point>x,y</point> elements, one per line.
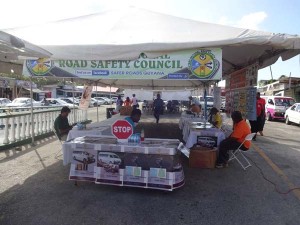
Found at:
<point>219,166</point>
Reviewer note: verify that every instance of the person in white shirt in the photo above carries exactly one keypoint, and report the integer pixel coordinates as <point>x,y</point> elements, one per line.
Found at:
<point>134,102</point>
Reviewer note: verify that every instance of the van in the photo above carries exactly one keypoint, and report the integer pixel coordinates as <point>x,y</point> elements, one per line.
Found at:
<point>109,158</point>
<point>276,106</point>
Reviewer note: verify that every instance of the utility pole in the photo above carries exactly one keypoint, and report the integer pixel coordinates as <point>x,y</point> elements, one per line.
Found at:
<point>271,73</point>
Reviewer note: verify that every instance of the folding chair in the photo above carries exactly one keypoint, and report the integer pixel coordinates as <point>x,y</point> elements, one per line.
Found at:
<point>238,151</point>
<point>61,142</point>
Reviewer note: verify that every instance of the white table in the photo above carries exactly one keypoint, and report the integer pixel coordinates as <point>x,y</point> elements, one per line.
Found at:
<point>99,128</point>
<point>213,132</point>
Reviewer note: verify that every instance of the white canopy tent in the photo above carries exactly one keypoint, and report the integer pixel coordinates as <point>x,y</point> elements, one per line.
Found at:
<point>125,34</point>
<point>13,48</point>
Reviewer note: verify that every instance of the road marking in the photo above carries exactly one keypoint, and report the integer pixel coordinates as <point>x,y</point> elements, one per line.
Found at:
<point>277,170</point>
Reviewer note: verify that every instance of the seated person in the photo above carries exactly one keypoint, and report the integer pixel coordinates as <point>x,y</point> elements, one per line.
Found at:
<point>135,117</point>
<point>196,109</point>
<point>61,124</point>
<point>215,118</point>
<point>195,106</point>
<point>240,130</point>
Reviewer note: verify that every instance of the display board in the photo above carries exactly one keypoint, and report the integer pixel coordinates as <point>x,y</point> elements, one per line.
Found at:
<point>154,164</point>
<point>240,92</point>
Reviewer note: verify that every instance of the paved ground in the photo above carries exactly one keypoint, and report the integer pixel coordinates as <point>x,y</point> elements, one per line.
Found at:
<point>34,187</point>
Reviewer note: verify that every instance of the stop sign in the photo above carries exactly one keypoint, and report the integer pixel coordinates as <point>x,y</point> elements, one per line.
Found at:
<point>122,129</point>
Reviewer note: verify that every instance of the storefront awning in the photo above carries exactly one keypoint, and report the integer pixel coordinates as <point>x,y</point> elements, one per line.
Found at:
<point>36,90</point>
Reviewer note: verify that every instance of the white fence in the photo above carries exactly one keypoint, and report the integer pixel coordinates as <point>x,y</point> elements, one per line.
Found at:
<point>16,126</point>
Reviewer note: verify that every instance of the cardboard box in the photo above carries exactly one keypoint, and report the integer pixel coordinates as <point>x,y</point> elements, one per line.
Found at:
<point>202,157</point>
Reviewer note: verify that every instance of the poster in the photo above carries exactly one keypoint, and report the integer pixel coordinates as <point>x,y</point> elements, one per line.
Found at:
<point>240,92</point>
<point>82,166</point>
<point>86,97</point>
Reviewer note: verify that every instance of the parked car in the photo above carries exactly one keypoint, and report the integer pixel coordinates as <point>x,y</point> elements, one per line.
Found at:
<point>70,101</point>
<point>292,114</point>
<point>109,158</point>
<point>104,100</point>
<point>4,101</point>
<point>114,99</point>
<point>23,102</point>
<point>276,106</point>
<point>95,102</point>
<point>84,157</point>
<point>209,102</point>
<point>56,102</point>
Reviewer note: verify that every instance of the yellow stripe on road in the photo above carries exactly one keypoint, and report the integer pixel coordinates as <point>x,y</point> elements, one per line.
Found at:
<point>277,170</point>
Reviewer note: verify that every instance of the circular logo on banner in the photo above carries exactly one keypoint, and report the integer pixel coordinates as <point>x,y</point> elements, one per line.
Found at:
<point>39,67</point>
<point>122,129</point>
<point>203,64</point>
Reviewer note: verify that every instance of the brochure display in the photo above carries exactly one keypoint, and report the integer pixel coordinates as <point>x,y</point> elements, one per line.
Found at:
<point>154,163</point>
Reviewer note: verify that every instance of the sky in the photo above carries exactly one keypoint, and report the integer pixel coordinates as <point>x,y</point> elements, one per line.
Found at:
<point>277,16</point>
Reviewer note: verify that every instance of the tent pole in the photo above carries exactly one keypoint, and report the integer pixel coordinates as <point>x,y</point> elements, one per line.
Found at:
<point>110,95</point>
<point>205,102</point>
<point>97,103</point>
<point>73,89</point>
<point>31,112</point>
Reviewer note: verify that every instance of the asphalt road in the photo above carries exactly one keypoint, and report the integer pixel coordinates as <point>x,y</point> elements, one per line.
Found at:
<point>34,188</point>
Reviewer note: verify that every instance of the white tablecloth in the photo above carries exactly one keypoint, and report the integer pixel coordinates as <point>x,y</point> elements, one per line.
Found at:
<point>214,132</point>
<point>99,128</point>
<point>89,131</point>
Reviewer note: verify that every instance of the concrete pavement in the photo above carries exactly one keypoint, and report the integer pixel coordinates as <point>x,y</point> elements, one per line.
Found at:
<point>34,187</point>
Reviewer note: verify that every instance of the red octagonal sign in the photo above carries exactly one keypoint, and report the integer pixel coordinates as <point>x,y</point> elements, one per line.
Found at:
<point>122,129</point>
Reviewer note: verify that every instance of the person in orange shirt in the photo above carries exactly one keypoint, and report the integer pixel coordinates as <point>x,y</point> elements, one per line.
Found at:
<point>240,130</point>
<point>127,102</point>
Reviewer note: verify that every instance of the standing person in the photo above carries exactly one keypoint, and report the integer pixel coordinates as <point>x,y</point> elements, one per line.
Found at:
<point>127,102</point>
<point>257,125</point>
<point>262,102</point>
<point>119,103</point>
<point>61,124</point>
<point>158,105</point>
<point>134,102</point>
<point>240,131</point>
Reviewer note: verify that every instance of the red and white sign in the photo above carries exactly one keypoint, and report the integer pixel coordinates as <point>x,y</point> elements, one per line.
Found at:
<point>122,129</point>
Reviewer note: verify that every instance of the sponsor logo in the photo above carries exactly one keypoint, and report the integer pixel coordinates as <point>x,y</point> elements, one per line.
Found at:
<point>203,64</point>
<point>39,67</point>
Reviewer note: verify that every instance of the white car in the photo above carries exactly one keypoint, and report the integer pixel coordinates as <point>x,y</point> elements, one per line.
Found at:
<point>292,114</point>
<point>209,102</point>
<point>70,101</point>
<point>109,158</point>
<point>23,102</point>
<point>4,101</point>
<point>104,100</point>
<point>95,102</point>
<point>57,102</point>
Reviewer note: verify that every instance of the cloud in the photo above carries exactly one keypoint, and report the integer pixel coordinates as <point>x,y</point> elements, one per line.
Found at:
<point>249,21</point>
<point>252,20</point>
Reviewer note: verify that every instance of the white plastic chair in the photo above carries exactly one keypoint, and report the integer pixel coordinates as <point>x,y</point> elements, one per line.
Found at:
<point>61,142</point>
<point>238,151</point>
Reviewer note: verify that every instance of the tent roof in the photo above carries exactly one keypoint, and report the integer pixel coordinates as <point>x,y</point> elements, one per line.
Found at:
<point>12,48</point>
<point>123,34</point>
